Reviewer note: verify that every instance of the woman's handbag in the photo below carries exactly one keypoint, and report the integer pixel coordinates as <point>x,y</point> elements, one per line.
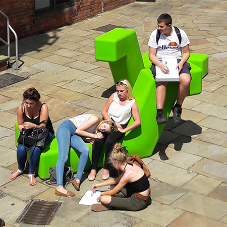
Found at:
<point>138,161</point>
<point>33,137</point>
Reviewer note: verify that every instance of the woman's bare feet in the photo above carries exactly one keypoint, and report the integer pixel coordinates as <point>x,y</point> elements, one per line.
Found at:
<point>105,174</point>
<point>92,175</point>
<point>32,180</point>
<point>15,174</point>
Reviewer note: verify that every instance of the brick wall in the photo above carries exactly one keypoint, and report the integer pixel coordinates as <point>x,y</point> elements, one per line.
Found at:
<point>26,23</point>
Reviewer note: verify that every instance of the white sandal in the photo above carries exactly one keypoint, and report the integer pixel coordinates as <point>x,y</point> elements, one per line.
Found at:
<point>32,180</point>
<point>15,174</point>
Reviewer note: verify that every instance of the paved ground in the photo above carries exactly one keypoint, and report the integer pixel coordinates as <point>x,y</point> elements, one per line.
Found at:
<point>188,170</point>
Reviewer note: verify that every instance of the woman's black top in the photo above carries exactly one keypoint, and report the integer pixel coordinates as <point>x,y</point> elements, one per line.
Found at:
<point>36,121</point>
<point>138,186</point>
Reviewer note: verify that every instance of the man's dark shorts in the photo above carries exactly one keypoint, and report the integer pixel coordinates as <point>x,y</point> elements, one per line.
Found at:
<point>186,68</point>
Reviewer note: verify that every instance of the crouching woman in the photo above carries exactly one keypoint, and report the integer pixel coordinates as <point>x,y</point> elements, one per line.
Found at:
<point>132,188</point>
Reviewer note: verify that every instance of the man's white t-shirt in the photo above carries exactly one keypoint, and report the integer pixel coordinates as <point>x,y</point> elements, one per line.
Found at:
<point>168,46</point>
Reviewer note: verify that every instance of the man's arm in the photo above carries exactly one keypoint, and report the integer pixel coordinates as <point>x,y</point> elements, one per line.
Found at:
<point>186,55</point>
<point>154,60</point>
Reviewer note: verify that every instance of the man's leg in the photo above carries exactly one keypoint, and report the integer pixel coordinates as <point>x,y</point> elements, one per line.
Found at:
<point>184,85</point>
<point>160,100</point>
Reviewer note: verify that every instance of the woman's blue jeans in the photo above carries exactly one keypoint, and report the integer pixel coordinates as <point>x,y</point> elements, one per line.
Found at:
<point>34,156</point>
<point>67,138</point>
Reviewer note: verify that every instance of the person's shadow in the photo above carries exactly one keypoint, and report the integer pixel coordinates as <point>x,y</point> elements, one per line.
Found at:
<point>176,134</point>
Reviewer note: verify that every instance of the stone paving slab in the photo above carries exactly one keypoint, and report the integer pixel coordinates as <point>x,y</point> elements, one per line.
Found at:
<point>12,104</point>
<point>219,193</point>
<point>77,86</point>
<point>204,149</point>
<point>13,189</point>
<point>213,136</point>
<point>8,142</point>
<point>170,174</point>
<point>217,123</point>
<point>8,157</point>
<point>202,205</point>
<point>191,220</point>
<point>199,168</point>
<point>188,167</point>
<point>165,193</point>
<point>5,132</point>
<point>155,211</point>
<point>10,209</point>
<point>202,185</point>
<point>50,67</point>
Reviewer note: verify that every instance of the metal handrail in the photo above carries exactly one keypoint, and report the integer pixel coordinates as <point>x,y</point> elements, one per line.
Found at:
<point>8,39</point>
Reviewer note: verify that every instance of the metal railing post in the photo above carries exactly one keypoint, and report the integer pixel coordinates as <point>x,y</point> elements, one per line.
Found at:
<point>8,39</point>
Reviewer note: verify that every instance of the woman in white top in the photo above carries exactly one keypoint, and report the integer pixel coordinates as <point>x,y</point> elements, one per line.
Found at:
<point>71,134</point>
<point>119,108</point>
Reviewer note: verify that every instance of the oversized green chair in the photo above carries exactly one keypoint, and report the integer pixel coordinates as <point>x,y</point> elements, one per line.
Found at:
<point>120,48</point>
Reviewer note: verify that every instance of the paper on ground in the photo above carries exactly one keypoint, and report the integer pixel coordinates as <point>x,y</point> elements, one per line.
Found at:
<point>172,75</point>
<point>90,197</point>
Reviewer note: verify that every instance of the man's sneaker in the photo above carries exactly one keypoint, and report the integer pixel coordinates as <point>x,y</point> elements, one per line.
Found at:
<point>177,114</point>
<point>160,119</point>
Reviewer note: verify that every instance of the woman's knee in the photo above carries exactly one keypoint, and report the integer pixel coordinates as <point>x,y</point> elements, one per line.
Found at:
<point>85,151</point>
<point>110,142</point>
<point>21,150</point>
<point>106,199</point>
<point>36,151</point>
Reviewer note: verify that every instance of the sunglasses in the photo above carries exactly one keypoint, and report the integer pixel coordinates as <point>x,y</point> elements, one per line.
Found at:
<point>123,150</point>
<point>121,83</point>
<point>112,128</point>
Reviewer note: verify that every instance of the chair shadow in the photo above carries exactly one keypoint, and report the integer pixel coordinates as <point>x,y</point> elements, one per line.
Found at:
<point>176,134</point>
<point>108,92</point>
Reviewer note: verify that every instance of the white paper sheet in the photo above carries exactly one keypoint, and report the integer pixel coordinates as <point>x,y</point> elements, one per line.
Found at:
<point>90,197</point>
<point>172,75</point>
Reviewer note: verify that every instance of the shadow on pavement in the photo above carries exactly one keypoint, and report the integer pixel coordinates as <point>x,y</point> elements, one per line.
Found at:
<point>176,134</point>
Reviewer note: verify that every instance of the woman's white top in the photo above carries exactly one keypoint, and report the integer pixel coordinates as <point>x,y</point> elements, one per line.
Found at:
<point>81,119</point>
<point>120,114</point>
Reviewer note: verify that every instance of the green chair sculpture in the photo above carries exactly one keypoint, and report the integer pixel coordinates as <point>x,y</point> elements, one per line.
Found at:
<point>120,48</point>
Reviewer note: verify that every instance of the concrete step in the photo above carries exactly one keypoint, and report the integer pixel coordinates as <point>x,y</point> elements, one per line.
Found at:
<point>3,62</point>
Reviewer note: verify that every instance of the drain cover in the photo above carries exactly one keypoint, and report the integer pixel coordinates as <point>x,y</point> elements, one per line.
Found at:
<point>7,79</point>
<point>39,212</point>
<point>107,28</point>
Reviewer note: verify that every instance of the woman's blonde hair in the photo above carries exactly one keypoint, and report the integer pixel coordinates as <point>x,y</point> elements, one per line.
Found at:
<point>118,153</point>
<point>128,87</point>
<point>113,126</point>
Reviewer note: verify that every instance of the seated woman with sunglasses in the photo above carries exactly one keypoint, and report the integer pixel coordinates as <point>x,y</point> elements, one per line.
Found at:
<point>72,133</point>
<point>132,188</point>
<point>119,108</point>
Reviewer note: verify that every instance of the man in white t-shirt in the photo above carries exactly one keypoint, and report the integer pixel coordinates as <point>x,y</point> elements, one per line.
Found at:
<point>170,42</point>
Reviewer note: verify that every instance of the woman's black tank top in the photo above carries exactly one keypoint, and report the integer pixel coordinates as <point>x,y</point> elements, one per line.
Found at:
<point>138,186</point>
<point>36,121</point>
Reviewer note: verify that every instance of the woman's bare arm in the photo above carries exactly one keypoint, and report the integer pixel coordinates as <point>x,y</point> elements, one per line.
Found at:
<point>137,121</point>
<point>106,108</point>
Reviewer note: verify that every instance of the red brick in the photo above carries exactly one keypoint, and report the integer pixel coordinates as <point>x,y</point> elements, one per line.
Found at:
<point>21,14</point>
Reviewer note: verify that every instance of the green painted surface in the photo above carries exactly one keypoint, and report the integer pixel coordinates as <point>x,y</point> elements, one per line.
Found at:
<point>120,48</point>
